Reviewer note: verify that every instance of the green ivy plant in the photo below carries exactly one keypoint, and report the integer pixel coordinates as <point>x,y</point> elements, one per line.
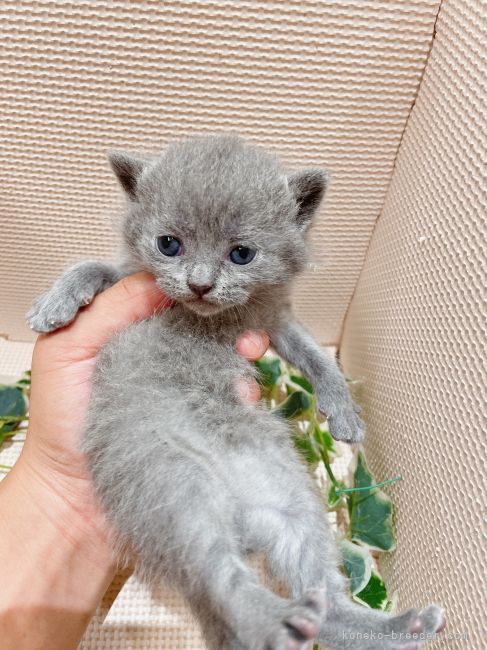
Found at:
<point>13,409</point>
<point>364,512</point>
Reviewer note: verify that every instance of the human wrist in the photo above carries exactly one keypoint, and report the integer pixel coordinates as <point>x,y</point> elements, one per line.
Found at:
<point>66,562</point>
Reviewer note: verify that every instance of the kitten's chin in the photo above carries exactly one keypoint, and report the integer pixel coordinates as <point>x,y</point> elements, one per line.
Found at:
<point>203,307</point>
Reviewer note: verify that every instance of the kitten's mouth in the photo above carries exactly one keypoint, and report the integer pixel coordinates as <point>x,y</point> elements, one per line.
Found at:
<point>202,306</point>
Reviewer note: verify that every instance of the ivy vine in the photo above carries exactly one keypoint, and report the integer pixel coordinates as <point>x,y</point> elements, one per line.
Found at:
<point>364,512</point>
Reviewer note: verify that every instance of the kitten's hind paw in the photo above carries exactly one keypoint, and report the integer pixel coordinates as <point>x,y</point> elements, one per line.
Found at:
<point>301,622</point>
<point>411,630</point>
<point>352,627</point>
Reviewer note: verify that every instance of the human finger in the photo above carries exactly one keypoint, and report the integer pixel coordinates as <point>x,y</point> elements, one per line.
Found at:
<point>252,344</point>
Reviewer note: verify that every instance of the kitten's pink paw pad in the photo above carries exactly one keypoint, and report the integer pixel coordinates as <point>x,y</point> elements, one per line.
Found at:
<point>416,627</point>
<point>301,628</point>
<point>303,620</point>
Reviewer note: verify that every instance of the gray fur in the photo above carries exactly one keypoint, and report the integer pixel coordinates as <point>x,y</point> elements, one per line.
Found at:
<point>192,478</point>
<point>75,288</point>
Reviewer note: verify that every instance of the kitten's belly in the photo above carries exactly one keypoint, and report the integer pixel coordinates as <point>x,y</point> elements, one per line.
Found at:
<point>150,370</point>
<point>165,418</point>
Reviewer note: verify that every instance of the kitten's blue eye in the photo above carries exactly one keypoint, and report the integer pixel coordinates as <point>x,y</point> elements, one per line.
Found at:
<point>242,255</point>
<point>168,245</point>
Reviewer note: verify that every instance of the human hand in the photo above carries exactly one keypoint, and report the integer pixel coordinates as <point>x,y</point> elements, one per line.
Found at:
<point>51,478</point>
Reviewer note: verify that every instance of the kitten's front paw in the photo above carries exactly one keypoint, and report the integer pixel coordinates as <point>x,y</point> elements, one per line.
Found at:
<point>342,414</point>
<point>55,309</point>
<point>346,424</point>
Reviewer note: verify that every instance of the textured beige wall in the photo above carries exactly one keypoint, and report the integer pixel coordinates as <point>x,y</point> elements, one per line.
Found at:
<point>416,333</point>
<point>320,82</point>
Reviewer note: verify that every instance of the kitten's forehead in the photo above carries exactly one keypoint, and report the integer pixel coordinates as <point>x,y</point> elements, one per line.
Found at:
<point>219,183</point>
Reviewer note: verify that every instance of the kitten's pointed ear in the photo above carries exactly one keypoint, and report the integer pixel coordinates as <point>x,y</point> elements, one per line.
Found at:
<point>308,187</point>
<point>127,167</point>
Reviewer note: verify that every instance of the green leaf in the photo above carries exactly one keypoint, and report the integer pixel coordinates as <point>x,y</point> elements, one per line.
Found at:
<point>12,403</point>
<point>334,498</point>
<point>295,405</point>
<point>323,438</point>
<point>370,512</point>
<point>388,606</point>
<point>357,563</point>
<point>302,382</point>
<point>269,371</point>
<point>374,594</point>
<point>25,381</point>
<point>307,448</point>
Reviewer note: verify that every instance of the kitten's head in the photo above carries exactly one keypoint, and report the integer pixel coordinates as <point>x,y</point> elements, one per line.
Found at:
<point>215,219</point>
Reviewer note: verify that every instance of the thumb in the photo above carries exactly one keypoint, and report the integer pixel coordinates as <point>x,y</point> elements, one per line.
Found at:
<point>133,298</point>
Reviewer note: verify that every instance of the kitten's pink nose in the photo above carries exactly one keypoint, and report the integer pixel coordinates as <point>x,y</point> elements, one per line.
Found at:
<point>200,289</point>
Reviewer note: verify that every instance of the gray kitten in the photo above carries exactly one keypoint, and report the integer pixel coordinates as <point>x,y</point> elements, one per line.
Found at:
<point>192,478</point>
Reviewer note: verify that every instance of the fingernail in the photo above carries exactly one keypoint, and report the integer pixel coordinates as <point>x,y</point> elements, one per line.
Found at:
<point>256,338</point>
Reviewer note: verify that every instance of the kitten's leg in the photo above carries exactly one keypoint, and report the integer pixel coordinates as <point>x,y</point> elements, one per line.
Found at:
<point>303,556</point>
<point>175,507</point>
<point>220,635</point>
<point>298,347</point>
<point>249,616</point>
<point>75,288</point>
<point>217,633</point>
<point>297,543</point>
<point>349,626</point>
